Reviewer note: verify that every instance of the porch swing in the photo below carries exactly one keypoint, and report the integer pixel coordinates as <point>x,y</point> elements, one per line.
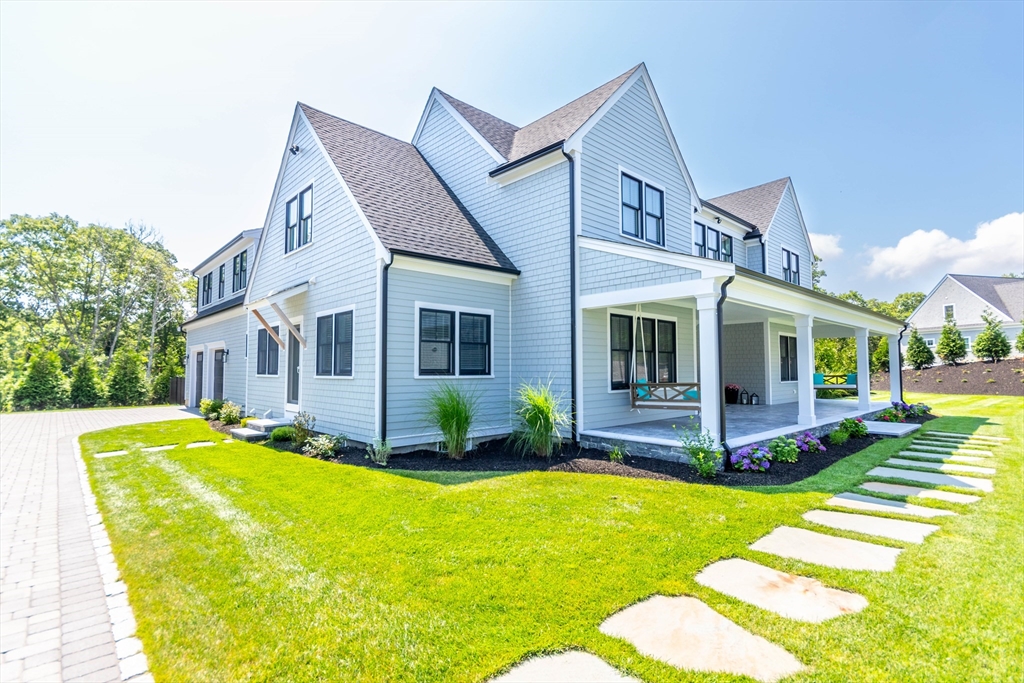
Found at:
<point>670,395</point>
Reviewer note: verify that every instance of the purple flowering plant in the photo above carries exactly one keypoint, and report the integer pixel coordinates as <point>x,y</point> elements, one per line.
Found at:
<point>808,443</point>
<point>752,458</point>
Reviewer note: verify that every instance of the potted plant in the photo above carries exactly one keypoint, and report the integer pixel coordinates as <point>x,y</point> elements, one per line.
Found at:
<point>732,393</point>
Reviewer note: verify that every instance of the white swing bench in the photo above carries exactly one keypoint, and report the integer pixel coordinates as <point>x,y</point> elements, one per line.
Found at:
<point>670,395</point>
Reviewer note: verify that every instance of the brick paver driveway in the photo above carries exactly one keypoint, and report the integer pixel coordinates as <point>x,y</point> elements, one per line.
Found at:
<point>54,620</point>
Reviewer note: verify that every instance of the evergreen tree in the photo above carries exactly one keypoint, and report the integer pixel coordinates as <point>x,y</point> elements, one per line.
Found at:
<point>918,354</point>
<point>880,358</point>
<point>992,342</point>
<point>126,385</point>
<point>43,386</point>
<point>85,387</point>
<point>1020,341</point>
<point>952,347</point>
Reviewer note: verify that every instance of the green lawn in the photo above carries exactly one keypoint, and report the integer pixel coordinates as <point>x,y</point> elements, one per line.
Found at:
<point>245,563</point>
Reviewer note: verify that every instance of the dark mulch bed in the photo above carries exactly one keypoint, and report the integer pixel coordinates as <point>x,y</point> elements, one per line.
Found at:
<point>1005,378</point>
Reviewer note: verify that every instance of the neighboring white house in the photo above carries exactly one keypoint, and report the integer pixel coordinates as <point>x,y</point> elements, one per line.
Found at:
<point>573,250</point>
<point>964,298</point>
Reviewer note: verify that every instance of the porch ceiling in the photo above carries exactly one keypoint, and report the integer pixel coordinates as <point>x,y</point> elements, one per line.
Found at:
<point>735,312</point>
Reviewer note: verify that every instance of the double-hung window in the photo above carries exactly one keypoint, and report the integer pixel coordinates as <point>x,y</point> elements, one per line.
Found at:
<point>726,254</point>
<point>787,356</point>
<point>240,272</point>
<point>454,343</point>
<point>643,210</point>
<point>790,267</point>
<point>711,243</point>
<point>334,344</point>
<point>651,349</point>
<point>207,288</point>
<point>266,352</point>
<point>298,220</point>
<point>948,312</point>
<point>222,275</point>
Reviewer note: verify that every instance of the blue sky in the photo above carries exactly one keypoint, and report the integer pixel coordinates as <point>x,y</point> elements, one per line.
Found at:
<point>902,125</point>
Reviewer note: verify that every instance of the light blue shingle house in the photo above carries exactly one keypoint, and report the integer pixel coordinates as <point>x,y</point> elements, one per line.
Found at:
<point>573,250</point>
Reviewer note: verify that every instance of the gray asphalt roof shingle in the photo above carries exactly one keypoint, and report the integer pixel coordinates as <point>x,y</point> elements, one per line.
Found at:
<point>1005,294</point>
<point>755,205</point>
<point>497,132</point>
<point>408,205</point>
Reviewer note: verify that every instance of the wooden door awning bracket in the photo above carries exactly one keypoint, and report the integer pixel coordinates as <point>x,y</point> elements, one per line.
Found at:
<point>268,328</point>
<point>288,323</point>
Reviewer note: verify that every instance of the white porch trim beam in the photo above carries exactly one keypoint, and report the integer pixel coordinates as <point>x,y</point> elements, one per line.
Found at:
<point>639,295</point>
<point>895,371</point>
<point>268,328</point>
<point>710,382</point>
<point>707,267</point>
<point>805,368</point>
<point>863,369</point>
<point>288,323</point>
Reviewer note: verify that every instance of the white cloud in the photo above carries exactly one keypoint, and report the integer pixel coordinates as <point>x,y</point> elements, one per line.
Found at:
<point>997,247</point>
<point>826,246</point>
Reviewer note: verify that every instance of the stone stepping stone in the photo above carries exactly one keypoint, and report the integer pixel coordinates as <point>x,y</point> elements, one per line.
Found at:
<point>228,441</point>
<point>201,444</point>
<point>952,444</point>
<point>970,436</point>
<point>933,478</point>
<point>958,451</point>
<point>828,551</point>
<point>941,466</point>
<point>567,667</point>
<point>153,449</point>
<point>896,529</point>
<point>944,456</point>
<point>788,595</point>
<point>111,454</point>
<point>685,633</point>
<point>910,491</point>
<point>855,501</point>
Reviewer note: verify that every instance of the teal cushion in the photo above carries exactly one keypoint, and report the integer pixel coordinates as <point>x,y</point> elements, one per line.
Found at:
<point>851,378</point>
<point>692,395</point>
<point>642,393</point>
<point>819,378</point>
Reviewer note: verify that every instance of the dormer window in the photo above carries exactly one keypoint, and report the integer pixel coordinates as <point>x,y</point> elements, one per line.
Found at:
<point>240,271</point>
<point>711,243</point>
<point>207,289</point>
<point>643,211</point>
<point>298,220</point>
<point>790,267</point>
<point>222,275</point>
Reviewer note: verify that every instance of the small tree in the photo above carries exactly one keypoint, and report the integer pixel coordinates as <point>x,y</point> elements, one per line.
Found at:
<point>43,386</point>
<point>880,358</point>
<point>918,354</point>
<point>1020,341</point>
<point>992,343</point>
<point>85,388</point>
<point>952,348</point>
<point>126,385</point>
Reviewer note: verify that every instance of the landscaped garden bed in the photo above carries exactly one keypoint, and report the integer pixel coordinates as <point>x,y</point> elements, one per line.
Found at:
<point>1005,378</point>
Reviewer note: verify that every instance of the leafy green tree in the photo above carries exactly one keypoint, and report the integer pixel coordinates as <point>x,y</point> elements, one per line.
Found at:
<point>817,275</point>
<point>952,347</point>
<point>918,354</point>
<point>85,385</point>
<point>992,343</point>
<point>126,385</point>
<point>1020,341</point>
<point>880,358</point>
<point>43,386</point>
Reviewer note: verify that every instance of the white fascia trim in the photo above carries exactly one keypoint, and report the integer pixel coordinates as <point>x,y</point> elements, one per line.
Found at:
<point>641,295</point>
<point>435,96</point>
<point>799,214</point>
<point>379,248</point>
<point>219,316</point>
<point>552,158</point>
<point>274,296</point>
<point>988,304</point>
<point>706,267</point>
<point>402,262</point>
<point>727,225</point>
<point>223,258</point>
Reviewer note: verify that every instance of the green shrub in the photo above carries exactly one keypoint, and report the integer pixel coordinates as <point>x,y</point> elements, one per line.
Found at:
<point>245,421</point>
<point>160,389</point>
<point>992,343</point>
<point>784,450</point>
<point>282,434</point>
<point>452,410</point>
<point>838,437</point>
<point>540,416</point>
<point>1019,344</point>
<point>379,451</point>
<point>43,386</point>
<point>303,423</point>
<point>210,407</point>
<point>919,356</point>
<point>85,384</point>
<point>880,358</point>
<point>230,413</point>
<point>952,347</point>
<point>700,446</point>
<point>854,427</point>
<point>618,453</point>
<point>126,385</point>
<point>323,445</point>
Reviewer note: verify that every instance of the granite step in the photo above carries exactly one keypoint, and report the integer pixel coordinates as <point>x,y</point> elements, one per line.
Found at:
<point>828,551</point>
<point>971,436</point>
<point>855,501</point>
<point>933,478</point>
<point>895,529</point>
<point>943,456</point>
<point>918,492</point>
<point>246,434</point>
<point>941,466</point>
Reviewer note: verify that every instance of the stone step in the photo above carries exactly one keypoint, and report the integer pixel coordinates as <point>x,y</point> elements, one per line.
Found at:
<point>788,595</point>
<point>567,667</point>
<point>957,444</point>
<point>971,436</point>
<point>201,444</point>
<point>890,428</point>
<point>944,456</point>
<point>687,634</point>
<point>111,454</point>
<point>916,491</point>
<point>957,451</point>
<point>267,425</point>
<point>246,434</point>
<point>826,550</point>
<point>933,478</point>
<point>855,501</point>
<point>941,466</point>
<point>896,529</point>
<point>153,449</point>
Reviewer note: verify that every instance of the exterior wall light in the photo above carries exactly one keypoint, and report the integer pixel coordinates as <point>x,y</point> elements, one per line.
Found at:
<point>294,149</point>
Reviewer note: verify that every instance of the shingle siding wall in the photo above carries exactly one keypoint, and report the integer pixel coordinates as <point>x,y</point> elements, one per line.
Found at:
<point>232,333</point>
<point>407,396</point>
<point>341,256</point>
<point>604,408</point>
<point>753,252</point>
<point>631,135</point>
<point>228,263</point>
<point>743,358</point>
<point>781,392</point>
<point>604,272</point>
<point>529,220</point>
<point>786,232</point>
<point>967,307</point>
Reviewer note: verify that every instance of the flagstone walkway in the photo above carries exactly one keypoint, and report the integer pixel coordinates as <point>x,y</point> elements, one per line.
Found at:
<point>64,615</point>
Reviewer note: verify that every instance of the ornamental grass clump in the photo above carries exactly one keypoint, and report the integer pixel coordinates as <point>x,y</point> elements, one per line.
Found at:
<point>452,410</point>
<point>838,437</point>
<point>752,458</point>
<point>540,416</point>
<point>784,450</point>
<point>379,452</point>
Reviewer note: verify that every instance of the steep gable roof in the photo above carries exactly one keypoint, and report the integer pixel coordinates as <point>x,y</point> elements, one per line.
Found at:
<point>756,204</point>
<point>406,203</point>
<point>1005,294</point>
<point>497,132</point>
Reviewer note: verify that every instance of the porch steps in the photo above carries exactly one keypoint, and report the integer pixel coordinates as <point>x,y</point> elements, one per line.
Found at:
<point>890,428</point>
<point>246,434</point>
<point>257,430</point>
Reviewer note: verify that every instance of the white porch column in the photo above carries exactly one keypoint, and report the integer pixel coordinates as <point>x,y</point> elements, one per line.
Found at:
<point>895,369</point>
<point>863,370</point>
<point>805,368</point>
<point>710,383</point>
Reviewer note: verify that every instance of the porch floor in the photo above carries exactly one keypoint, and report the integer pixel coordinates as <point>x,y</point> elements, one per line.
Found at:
<point>744,424</point>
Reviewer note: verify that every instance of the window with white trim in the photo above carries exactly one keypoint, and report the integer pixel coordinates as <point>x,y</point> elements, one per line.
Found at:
<point>334,344</point>
<point>654,347</point>
<point>643,210</point>
<point>787,357</point>
<point>298,220</point>
<point>240,271</point>
<point>267,352</point>
<point>207,289</point>
<point>454,343</point>
<point>929,342</point>
<point>948,312</point>
<point>790,267</point>
<point>711,243</point>
<point>222,276</point>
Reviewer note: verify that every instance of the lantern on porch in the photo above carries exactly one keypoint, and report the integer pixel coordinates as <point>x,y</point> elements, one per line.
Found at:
<point>755,400</point>
<point>744,398</point>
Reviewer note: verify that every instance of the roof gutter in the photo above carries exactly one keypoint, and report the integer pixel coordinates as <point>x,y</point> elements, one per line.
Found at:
<point>454,262</point>
<point>721,371</point>
<point>572,296</point>
<point>527,159</point>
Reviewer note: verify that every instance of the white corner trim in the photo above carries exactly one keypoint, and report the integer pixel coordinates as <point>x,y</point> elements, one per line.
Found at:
<point>542,163</point>
<point>412,263</point>
<point>436,96</point>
